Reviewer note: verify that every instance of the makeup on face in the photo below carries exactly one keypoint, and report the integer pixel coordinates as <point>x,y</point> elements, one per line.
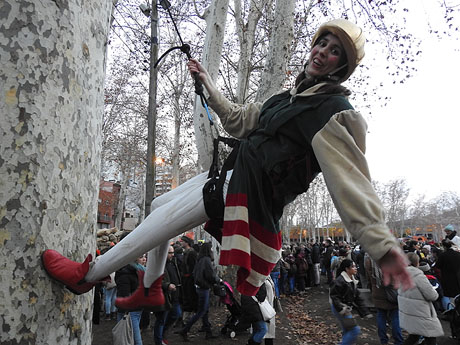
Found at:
<point>325,56</point>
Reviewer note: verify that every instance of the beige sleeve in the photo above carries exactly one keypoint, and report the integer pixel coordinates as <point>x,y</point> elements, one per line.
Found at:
<point>339,147</point>
<point>238,120</point>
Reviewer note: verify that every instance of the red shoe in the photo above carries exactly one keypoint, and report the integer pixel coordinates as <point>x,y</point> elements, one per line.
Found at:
<point>68,272</point>
<point>151,299</point>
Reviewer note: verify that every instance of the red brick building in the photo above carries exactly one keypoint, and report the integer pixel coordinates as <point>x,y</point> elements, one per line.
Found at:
<point>109,192</point>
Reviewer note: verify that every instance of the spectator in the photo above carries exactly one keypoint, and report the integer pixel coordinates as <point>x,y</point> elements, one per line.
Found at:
<point>327,256</point>
<point>275,275</point>
<point>284,269</point>
<point>360,255</point>
<point>127,282</point>
<point>302,270</point>
<point>343,254</point>
<point>269,337</point>
<point>252,316</point>
<point>448,262</point>
<point>174,291</point>
<point>171,288</point>
<point>189,296</point>
<point>344,295</point>
<point>205,277</point>
<point>292,270</point>
<point>387,312</point>
<point>442,303</point>
<point>416,311</point>
<point>451,234</point>
<point>426,250</point>
<point>110,291</point>
<point>316,259</point>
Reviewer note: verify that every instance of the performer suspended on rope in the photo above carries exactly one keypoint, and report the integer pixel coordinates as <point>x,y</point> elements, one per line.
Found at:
<point>285,142</point>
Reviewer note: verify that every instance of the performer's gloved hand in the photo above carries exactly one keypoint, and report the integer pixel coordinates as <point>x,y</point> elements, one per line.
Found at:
<point>368,316</point>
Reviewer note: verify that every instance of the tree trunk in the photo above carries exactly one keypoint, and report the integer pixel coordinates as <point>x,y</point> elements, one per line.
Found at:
<point>246,36</point>
<point>279,50</point>
<point>216,18</point>
<point>51,104</point>
<point>121,199</point>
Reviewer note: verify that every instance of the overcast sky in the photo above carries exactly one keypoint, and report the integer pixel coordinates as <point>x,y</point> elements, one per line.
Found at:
<point>416,135</point>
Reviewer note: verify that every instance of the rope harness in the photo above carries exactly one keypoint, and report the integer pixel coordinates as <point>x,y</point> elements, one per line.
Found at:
<point>213,189</point>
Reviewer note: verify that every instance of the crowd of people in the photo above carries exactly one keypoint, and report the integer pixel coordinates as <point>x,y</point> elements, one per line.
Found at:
<point>188,281</point>
<point>190,275</point>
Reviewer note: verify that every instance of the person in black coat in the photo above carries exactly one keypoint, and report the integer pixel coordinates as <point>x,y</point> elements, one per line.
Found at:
<point>344,296</point>
<point>251,315</point>
<point>173,291</point>
<point>189,299</point>
<point>205,277</point>
<point>316,259</point>
<point>448,262</point>
<point>127,282</point>
<point>327,255</point>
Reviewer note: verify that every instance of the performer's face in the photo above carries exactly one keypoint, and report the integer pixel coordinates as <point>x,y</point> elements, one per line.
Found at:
<point>325,56</point>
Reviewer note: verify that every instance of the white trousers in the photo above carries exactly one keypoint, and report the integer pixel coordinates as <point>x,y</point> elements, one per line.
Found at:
<point>171,214</point>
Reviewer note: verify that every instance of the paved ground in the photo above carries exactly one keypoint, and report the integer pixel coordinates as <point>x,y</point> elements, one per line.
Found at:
<point>307,319</point>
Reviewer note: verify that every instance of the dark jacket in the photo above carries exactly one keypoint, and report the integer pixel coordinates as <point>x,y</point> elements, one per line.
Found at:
<point>204,273</point>
<point>172,269</point>
<point>189,261</point>
<point>379,296</point>
<point>316,254</point>
<point>327,257</point>
<point>166,292</point>
<point>189,299</point>
<point>344,292</point>
<point>127,281</point>
<point>449,264</point>
<point>302,265</point>
<point>250,309</point>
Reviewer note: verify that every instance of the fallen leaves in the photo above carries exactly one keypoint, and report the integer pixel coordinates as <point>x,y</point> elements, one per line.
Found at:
<point>306,327</point>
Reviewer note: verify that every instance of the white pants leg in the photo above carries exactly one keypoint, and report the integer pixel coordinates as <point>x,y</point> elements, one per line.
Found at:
<point>173,213</point>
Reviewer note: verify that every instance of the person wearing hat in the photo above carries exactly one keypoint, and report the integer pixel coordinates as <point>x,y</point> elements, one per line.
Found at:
<point>451,234</point>
<point>286,142</point>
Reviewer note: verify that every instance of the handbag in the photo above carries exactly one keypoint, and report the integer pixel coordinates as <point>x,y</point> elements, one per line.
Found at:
<point>277,305</point>
<point>268,312</point>
<point>349,323</point>
<point>122,333</point>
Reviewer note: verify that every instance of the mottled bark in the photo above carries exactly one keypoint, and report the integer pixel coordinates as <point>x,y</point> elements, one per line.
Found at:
<point>216,16</point>
<point>246,32</point>
<point>52,55</point>
<point>279,50</point>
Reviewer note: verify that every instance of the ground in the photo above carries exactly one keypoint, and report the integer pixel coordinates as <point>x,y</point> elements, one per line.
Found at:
<point>306,319</point>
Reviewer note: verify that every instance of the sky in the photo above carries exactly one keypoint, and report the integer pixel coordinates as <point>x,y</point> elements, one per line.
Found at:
<point>416,135</point>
